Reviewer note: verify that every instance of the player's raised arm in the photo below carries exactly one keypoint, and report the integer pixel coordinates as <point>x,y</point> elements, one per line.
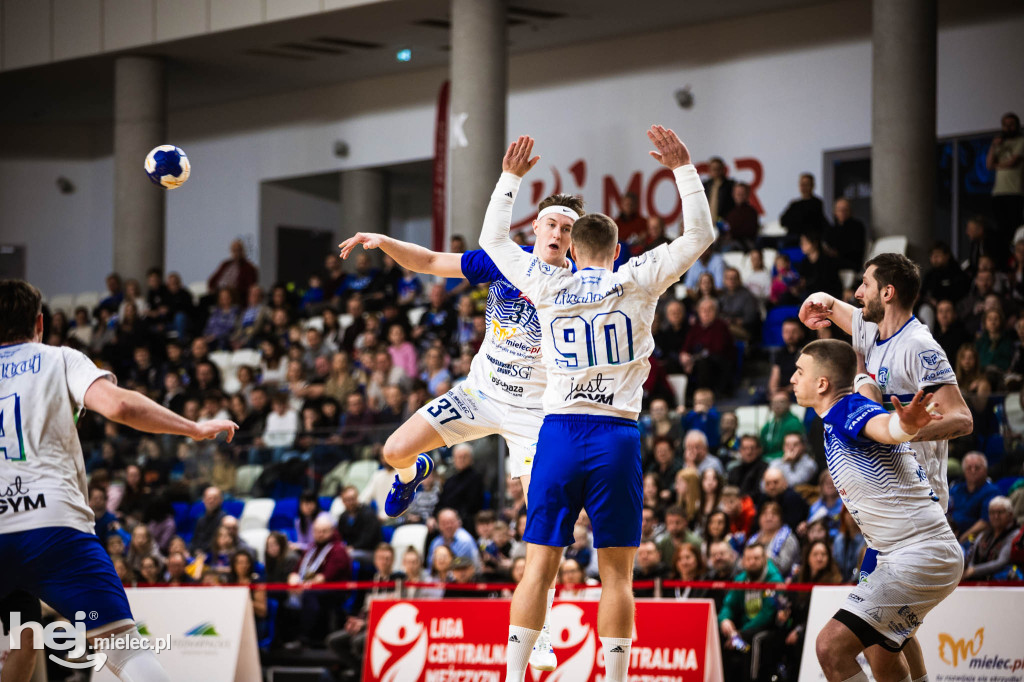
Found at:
<point>409,256</point>
<point>139,412</point>
<point>905,422</point>
<point>820,310</point>
<point>494,237</point>
<point>698,228</point>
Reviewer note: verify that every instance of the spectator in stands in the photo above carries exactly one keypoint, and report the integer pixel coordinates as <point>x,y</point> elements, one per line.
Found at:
<point>358,525</point>
<point>106,524</point>
<point>669,338</point>
<point>971,308</point>
<point>796,462</point>
<point>280,428</point>
<point>742,219</point>
<point>696,453</point>
<point>1006,157</point>
<point>729,442</point>
<point>175,573</point>
<point>655,234</point>
<point>434,373</point>
<point>463,490</point>
<point>309,509</point>
<point>402,352</point>
<point>945,280</point>
<point>208,523</point>
<point>243,573</point>
<point>777,489</point>
<point>828,506</point>
<point>758,277</point>
<point>818,270</point>
<point>664,466</point>
<point>781,423</point>
<point>658,424</point>
<point>817,567</point>
<point>948,330</point>
<point>437,323</point>
<point>142,546</point>
<point>236,273</point>
<point>632,226</point>
<point>716,529</point>
<point>218,555</point>
<point>746,614</point>
<point>786,288</point>
<point>677,531</point>
<point>709,353</point>
<point>464,572</point>
<point>710,262</point>
<point>969,499</point>
<point>748,470</point>
<point>150,571</point>
<point>454,537</point>
<point>278,559</point>
<point>739,308</point>
<point>687,564</point>
<point>711,485</point>
<point>779,540</point>
<point>741,512</point>
<point>719,189</point>
<point>804,216</point>
<point>995,349</point>
<point>989,556</point>
<point>648,567</point>
<point>253,320</point>
<point>846,239</point>
<point>980,242</point>
<point>222,321</point>
<point>326,561</point>
<point>848,547</point>
<point>440,564</point>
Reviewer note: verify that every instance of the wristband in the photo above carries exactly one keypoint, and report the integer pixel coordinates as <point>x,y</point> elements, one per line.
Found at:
<point>862,379</point>
<point>896,431</point>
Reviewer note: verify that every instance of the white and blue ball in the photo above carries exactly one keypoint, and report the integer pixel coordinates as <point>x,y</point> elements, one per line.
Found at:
<point>167,166</point>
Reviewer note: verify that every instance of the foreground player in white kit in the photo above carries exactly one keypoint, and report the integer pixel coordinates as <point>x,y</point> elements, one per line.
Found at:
<point>887,492</point>
<point>901,358</point>
<point>597,339</point>
<point>502,394</point>
<point>47,542</point>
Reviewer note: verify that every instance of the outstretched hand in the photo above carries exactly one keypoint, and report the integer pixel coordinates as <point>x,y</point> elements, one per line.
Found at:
<point>213,428</point>
<point>517,159</point>
<point>672,153</point>
<point>815,310</point>
<point>918,413</point>
<point>369,241</point>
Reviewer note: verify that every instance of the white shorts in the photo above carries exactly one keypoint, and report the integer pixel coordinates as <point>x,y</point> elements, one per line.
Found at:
<point>907,583</point>
<point>464,413</point>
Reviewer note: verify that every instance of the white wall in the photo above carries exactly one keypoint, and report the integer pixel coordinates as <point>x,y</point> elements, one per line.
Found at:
<point>781,88</point>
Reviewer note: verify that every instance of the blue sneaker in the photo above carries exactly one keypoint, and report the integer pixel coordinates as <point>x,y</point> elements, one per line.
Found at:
<point>401,494</point>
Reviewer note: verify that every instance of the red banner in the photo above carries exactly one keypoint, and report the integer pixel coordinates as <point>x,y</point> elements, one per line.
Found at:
<point>440,171</point>
<point>464,640</point>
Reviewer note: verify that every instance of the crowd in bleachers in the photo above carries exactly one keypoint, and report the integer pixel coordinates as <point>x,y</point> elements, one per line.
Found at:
<point>319,373</point>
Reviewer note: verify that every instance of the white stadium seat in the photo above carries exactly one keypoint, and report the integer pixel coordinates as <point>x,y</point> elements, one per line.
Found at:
<point>734,259</point>
<point>63,302</point>
<point>408,535</point>
<point>750,419</point>
<point>678,383</point>
<point>248,357</point>
<point>88,300</point>
<point>360,473</point>
<point>416,314</point>
<point>198,289</point>
<point>256,513</point>
<point>245,478</point>
<point>257,539</point>
<point>888,245</point>
<point>223,359</point>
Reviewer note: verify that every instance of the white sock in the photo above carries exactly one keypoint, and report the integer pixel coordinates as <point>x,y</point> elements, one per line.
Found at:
<point>134,665</point>
<point>616,657</point>
<point>406,474</point>
<point>859,677</point>
<point>547,613</point>
<point>923,678</point>
<point>517,655</point>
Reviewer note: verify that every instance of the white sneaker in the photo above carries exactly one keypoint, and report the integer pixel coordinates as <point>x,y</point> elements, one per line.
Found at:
<point>542,657</point>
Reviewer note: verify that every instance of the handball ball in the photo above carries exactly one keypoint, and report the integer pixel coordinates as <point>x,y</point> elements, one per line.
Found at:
<point>167,166</point>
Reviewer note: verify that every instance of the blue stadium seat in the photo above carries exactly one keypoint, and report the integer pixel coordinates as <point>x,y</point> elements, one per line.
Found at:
<point>234,508</point>
<point>1004,484</point>
<point>325,502</point>
<point>387,532</point>
<point>772,334</point>
<point>181,518</point>
<point>285,513</point>
<point>197,512</point>
<point>795,254</point>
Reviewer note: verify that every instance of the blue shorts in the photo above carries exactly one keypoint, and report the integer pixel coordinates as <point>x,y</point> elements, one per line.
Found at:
<point>587,462</point>
<point>67,569</point>
<point>868,563</point>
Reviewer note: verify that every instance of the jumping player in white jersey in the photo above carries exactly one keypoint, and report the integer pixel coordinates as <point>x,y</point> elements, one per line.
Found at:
<point>502,394</point>
<point>887,492</point>
<point>901,358</point>
<point>47,537</point>
<point>596,327</point>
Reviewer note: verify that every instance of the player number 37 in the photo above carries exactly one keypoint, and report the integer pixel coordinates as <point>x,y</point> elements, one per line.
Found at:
<point>607,339</point>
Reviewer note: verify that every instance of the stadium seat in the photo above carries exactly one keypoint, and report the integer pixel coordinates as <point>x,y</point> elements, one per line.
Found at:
<point>285,512</point>
<point>795,253</point>
<point>197,512</point>
<point>798,410</point>
<point>360,473</point>
<point>387,532</point>
<point>750,419</point>
<point>772,228</point>
<point>181,517</point>
<point>888,245</point>
<point>63,302</point>
<point>198,289</point>
<point>325,502</point>
<point>408,535</point>
<point>734,259</point>
<point>315,323</point>
<point>345,320</point>
<point>248,357</point>
<point>768,256</point>
<point>257,539</point>
<point>257,513</point>
<point>416,314</point>
<point>337,508</point>
<point>771,336</point>
<point>233,507</point>
<point>1006,484</point>
<point>678,383</point>
<point>246,477</point>
<point>847,278</point>
<point>87,300</point>
<point>222,358</point>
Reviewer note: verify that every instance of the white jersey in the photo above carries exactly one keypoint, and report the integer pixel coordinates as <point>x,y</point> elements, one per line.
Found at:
<point>596,324</point>
<point>906,362</point>
<point>882,485</point>
<point>42,473</point>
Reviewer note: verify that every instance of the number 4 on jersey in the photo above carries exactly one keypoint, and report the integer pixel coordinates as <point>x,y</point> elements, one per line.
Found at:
<point>11,443</point>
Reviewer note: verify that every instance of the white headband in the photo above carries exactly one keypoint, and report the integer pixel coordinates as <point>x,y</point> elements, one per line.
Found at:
<point>561,210</point>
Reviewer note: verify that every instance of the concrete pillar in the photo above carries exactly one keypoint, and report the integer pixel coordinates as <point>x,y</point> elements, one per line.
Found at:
<point>479,77</point>
<point>139,125</point>
<point>903,122</point>
<point>363,204</point>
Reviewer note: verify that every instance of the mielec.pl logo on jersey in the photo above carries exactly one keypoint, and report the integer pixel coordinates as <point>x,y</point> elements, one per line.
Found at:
<point>70,637</point>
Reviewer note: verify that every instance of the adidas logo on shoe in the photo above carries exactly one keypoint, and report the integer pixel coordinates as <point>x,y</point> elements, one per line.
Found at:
<point>617,650</point>
<point>514,639</point>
